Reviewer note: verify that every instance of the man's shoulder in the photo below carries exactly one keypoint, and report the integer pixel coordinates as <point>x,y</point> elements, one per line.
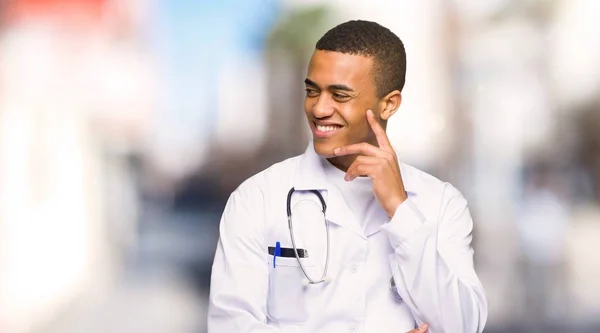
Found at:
<point>423,182</point>
<point>419,178</point>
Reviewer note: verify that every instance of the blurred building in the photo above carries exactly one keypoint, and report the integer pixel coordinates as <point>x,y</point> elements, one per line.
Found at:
<point>72,104</point>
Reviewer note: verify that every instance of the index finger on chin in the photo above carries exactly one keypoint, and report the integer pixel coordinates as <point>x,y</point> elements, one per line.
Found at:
<point>382,139</point>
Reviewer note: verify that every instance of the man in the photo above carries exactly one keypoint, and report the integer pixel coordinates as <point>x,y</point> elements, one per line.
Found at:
<point>384,219</point>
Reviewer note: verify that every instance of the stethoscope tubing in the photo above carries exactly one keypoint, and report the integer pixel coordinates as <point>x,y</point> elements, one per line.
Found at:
<point>291,227</point>
<point>324,278</point>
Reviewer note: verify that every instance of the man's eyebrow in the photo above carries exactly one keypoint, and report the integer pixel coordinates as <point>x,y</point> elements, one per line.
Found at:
<point>342,87</point>
<point>309,82</point>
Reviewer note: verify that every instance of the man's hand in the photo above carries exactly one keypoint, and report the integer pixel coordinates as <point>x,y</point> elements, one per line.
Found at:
<point>420,329</point>
<point>380,164</point>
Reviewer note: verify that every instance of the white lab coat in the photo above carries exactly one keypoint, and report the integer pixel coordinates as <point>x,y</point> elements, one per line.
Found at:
<point>426,246</point>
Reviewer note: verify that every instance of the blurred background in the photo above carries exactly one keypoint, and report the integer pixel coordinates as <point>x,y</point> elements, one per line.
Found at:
<point>126,124</point>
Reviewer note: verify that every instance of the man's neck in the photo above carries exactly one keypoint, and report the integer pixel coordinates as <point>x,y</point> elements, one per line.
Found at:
<point>342,162</point>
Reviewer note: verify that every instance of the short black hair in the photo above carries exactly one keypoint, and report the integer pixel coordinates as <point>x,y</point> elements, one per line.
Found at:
<point>370,39</point>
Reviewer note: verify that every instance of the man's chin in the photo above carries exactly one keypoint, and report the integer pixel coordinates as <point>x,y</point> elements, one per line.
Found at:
<point>324,150</point>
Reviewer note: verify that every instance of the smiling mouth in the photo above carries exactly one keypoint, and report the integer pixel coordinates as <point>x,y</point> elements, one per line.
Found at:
<point>324,131</point>
<point>327,128</point>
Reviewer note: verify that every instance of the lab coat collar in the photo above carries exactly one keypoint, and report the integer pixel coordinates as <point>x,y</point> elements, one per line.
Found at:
<point>311,176</point>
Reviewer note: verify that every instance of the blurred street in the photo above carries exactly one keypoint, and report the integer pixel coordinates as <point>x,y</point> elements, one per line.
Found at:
<point>164,285</point>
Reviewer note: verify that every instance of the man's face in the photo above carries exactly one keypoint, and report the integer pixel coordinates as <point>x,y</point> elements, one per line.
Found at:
<point>339,91</point>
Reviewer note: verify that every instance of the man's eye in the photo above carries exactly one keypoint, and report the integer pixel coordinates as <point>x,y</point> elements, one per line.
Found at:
<point>340,96</point>
<point>311,92</point>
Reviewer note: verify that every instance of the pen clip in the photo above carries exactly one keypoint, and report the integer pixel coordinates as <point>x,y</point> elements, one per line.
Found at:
<point>276,253</point>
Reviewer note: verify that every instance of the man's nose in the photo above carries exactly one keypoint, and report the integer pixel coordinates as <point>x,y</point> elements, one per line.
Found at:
<point>323,107</point>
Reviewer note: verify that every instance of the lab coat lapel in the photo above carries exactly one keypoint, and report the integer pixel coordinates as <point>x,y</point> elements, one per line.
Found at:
<point>311,176</point>
<point>339,213</point>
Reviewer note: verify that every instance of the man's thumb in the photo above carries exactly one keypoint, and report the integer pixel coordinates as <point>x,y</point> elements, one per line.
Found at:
<point>423,328</point>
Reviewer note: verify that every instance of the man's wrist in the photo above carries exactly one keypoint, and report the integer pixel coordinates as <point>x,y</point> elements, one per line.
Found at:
<point>396,203</point>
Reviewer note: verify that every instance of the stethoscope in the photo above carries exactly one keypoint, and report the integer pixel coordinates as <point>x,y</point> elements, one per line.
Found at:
<point>324,277</point>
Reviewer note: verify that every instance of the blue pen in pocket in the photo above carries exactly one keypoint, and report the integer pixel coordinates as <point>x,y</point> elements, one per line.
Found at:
<point>276,253</point>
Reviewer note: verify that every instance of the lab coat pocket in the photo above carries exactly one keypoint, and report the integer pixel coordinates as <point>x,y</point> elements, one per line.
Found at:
<point>287,293</point>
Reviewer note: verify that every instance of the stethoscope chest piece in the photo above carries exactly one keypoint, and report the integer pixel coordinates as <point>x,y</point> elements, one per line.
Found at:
<point>394,290</point>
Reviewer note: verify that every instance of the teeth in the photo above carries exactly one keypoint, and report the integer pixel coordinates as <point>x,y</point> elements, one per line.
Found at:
<point>327,128</point>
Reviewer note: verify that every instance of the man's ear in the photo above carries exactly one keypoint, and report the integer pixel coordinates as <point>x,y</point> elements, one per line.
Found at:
<point>390,104</point>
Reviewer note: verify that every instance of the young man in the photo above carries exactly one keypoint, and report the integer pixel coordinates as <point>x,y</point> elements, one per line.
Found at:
<point>393,251</point>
